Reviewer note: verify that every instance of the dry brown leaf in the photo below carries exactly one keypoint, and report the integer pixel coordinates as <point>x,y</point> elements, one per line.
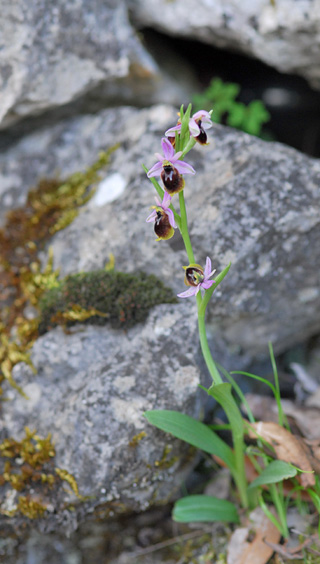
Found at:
<point>242,551</point>
<point>287,447</point>
<point>306,417</point>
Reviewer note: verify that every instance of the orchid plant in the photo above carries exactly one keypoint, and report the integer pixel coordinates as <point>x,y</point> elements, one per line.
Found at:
<point>171,169</point>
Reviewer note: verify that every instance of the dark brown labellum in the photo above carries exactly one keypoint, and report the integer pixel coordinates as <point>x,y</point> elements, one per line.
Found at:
<point>194,275</point>
<point>162,227</point>
<point>202,137</point>
<point>172,179</point>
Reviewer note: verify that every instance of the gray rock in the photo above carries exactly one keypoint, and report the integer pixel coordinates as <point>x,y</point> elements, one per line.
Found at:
<point>55,54</point>
<point>253,203</point>
<point>283,34</point>
<point>91,390</point>
<point>70,146</point>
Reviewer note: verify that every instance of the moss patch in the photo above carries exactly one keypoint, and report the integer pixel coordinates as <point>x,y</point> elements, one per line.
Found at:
<point>117,298</point>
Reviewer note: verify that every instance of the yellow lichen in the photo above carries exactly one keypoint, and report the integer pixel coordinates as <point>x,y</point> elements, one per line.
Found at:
<point>67,477</point>
<point>64,220</point>
<point>10,354</point>
<point>30,508</point>
<point>165,461</point>
<point>30,469</point>
<point>111,264</point>
<point>31,449</point>
<point>137,438</point>
<point>76,313</point>
<point>50,207</point>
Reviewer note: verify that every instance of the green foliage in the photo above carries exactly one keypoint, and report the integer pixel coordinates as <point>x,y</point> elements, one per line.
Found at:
<point>204,508</point>
<point>222,97</point>
<point>192,431</point>
<point>276,471</point>
<point>119,298</point>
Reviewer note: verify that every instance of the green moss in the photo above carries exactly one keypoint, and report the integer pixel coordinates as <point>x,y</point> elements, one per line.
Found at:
<point>118,298</point>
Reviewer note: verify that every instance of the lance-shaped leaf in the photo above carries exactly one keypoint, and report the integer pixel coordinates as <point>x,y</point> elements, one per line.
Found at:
<point>191,431</point>
<point>204,508</point>
<point>276,471</point>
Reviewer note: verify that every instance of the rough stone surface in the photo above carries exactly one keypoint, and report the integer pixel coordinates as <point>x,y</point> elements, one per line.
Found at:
<point>253,203</point>
<point>54,53</point>
<point>125,541</point>
<point>91,390</point>
<point>284,34</point>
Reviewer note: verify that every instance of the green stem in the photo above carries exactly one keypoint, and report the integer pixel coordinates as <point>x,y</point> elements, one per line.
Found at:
<point>184,228</point>
<point>240,475</point>
<point>201,322</point>
<point>211,365</point>
<point>222,393</point>
<point>281,415</point>
<point>277,499</point>
<point>191,143</point>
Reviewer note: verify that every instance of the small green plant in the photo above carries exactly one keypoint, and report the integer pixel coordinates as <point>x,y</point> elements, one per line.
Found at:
<point>271,465</point>
<point>222,97</point>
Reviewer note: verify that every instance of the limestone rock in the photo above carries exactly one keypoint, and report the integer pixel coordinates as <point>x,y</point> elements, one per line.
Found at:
<point>284,34</point>
<point>55,54</point>
<point>91,390</point>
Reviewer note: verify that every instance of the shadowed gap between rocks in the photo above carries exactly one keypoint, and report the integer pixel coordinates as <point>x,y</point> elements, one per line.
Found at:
<point>294,107</point>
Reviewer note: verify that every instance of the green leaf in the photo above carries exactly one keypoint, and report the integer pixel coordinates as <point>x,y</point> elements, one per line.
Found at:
<point>276,471</point>
<point>191,431</point>
<point>238,391</point>
<point>256,116</point>
<point>184,133</point>
<point>237,115</point>
<point>204,508</point>
<point>222,393</point>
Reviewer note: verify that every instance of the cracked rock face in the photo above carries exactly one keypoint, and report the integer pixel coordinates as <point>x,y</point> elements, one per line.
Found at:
<point>284,35</point>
